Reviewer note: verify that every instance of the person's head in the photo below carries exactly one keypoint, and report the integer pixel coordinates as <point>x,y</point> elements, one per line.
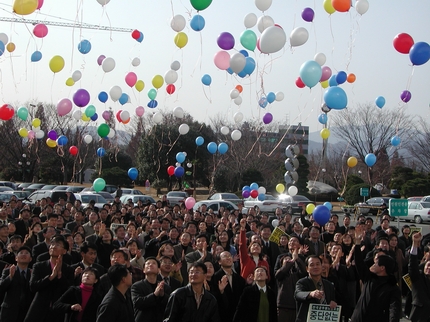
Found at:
<point>15,243</point>
<point>48,232</point>
<point>383,243</point>
<point>165,265</point>
<point>166,249</point>
<point>314,232</point>
<point>201,241</point>
<point>120,232</point>
<point>331,227</point>
<point>197,273</point>
<point>326,262</point>
<point>294,243</point>
<point>385,223</point>
<point>25,214</point>
<point>132,246</point>
<point>427,268</point>
<point>52,220</point>
<point>23,256</point>
<point>383,265</point>
<point>283,240</point>
<point>406,230</point>
<point>313,266</point>
<point>36,227</point>
<point>88,253</point>
<point>335,249</point>
<point>90,276</point>
<point>119,274</point>
<point>392,240</point>
<point>118,256</point>
<point>191,228</point>
<point>151,266</point>
<point>210,269</point>
<point>266,231</point>
<point>254,248</point>
<point>78,238</point>
<point>185,238</point>
<point>261,274</point>
<point>337,238</point>
<point>225,260</point>
<point>58,246</point>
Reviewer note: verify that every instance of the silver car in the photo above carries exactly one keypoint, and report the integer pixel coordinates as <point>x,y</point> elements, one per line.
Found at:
<point>176,197</point>
<point>418,212</point>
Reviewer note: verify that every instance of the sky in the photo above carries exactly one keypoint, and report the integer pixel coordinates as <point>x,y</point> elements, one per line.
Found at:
<point>359,44</point>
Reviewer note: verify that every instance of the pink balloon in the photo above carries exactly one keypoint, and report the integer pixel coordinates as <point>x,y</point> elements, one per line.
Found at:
<point>106,115</point>
<point>326,73</point>
<point>140,110</point>
<point>100,59</point>
<point>39,4</point>
<point>222,60</point>
<point>131,79</point>
<point>190,202</point>
<point>64,106</point>
<point>31,134</point>
<point>40,30</point>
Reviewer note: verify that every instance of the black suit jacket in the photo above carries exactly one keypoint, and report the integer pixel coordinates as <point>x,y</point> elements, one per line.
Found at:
<point>420,291</point>
<point>21,228</point>
<point>18,296</point>
<point>67,258</point>
<point>178,256</point>
<point>249,303</point>
<point>77,281</point>
<point>38,250</point>
<point>173,282</point>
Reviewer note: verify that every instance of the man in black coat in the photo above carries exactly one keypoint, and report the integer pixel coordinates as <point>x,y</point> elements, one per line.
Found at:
<point>15,243</point>
<point>23,223</point>
<point>201,254</point>
<point>89,256</point>
<point>14,284</point>
<point>164,273</point>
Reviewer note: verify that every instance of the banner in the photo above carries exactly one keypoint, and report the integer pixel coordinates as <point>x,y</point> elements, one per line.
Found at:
<point>323,312</point>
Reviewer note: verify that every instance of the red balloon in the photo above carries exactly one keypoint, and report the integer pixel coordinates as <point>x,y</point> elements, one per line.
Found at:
<point>403,43</point>
<point>6,112</point>
<point>170,89</point>
<point>118,116</point>
<point>299,83</point>
<point>73,150</point>
<point>254,193</point>
<point>135,34</point>
<point>341,5</point>
<point>171,170</point>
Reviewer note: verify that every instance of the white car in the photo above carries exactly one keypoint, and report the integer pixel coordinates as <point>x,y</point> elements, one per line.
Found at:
<point>269,204</point>
<point>418,212</point>
<point>135,198</point>
<point>215,205</point>
<point>86,197</point>
<point>176,197</point>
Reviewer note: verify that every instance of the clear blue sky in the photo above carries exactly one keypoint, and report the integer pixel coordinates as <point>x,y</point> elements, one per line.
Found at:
<point>356,44</point>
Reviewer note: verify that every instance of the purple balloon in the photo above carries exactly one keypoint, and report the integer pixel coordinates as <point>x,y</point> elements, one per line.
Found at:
<point>246,193</point>
<point>81,98</point>
<point>267,118</point>
<point>308,14</point>
<point>406,96</point>
<point>100,59</point>
<point>52,135</point>
<point>225,41</point>
<point>326,73</point>
<point>106,115</point>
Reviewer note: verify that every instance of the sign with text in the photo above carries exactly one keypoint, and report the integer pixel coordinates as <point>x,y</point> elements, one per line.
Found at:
<point>364,192</point>
<point>398,207</point>
<point>323,312</point>
<point>276,235</point>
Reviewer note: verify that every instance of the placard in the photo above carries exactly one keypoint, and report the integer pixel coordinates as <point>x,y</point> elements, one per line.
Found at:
<point>276,235</point>
<point>323,312</point>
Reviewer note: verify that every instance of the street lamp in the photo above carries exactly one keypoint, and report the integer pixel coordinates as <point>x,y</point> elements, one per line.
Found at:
<point>24,164</point>
<point>323,170</point>
<point>359,173</point>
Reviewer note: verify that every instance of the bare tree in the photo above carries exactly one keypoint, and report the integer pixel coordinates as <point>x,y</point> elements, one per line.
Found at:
<point>419,148</point>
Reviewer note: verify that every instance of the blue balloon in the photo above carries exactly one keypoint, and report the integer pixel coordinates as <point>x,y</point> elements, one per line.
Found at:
<point>124,98</point>
<point>244,52</point>
<point>222,148</point>
<point>230,71</point>
<point>94,117</point>
<point>322,118</point>
<point>103,97</point>
<point>62,140</point>
<point>335,98</point>
<point>206,79</point>
<point>262,102</point>
<point>249,65</point>
<point>341,77</point>
<point>310,73</point>
<point>2,47</point>
<point>152,104</point>
<point>179,171</point>
<point>261,196</point>
<point>84,47</point>
<point>140,37</point>
<point>180,157</point>
<point>246,188</point>
<point>36,56</point>
<point>321,215</point>
<point>199,140</point>
<point>328,205</point>
<point>332,81</point>
<point>101,152</point>
<point>212,147</point>
<point>419,53</point>
<point>253,186</point>
<point>380,101</point>
<point>197,23</point>
<point>242,74</point>
<point>370,159</point>
<point>395,140</point>
<point>133,173</point>
<point>271,97</point>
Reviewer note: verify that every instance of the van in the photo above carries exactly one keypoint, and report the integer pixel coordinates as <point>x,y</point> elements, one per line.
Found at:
<point>53,194</point>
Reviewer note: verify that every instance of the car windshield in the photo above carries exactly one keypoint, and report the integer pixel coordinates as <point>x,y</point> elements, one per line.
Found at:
<point>300,198</point>
<point>96,198</point>
<point>425,204</point>
<point>269,197</point>
<point>229,196</point>
<point>176,194</point>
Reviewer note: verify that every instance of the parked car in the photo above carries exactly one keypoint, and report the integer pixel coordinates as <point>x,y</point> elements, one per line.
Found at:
<point>418,211</point>
<point>295,202</point>
<point>35,186</point>
<point>418,198</point>
<point>135,198</point>
<point>5,188</point>
<point>23,185</point>
<point>49,187</point>
<point>86,197</point>
<point>9,184</point>
<point>269,204</point>
<point>110,188</point>
<point>226,196</point>
<point>54,195</point>
<point>127,191</point>
<point>74,189</point>
<point>5,197</point>
<point>19,194</point>
<point>107,196</point>
<point>176,197</point>
<point>215,205</point>
<point>372,205</point>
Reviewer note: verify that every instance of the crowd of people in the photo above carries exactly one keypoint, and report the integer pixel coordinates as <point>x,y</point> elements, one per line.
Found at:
<point>146,262</point>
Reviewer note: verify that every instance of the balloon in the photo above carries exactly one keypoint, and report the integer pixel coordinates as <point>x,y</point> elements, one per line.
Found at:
<point>135,62</point>
<point>76,76</point>
<point>310,73</point>
<point>125,115</point>
<point>308,15</point>
<point>261,196</point>
<point>62,140</point>
<point>108,64</point>
<point>197,23</point>
<point>84,46</point>
<point>238,100</point>
<point>103,97</point>
<point>292,191</point>
<point>299,83</point>
<point>321,214</point>
<point>77,115</point>
<point>206,79</point>
<point>101,152</point>
<point>222,148</point>
<point>222,60</point>
<point>36,122</point>
<point>254,193</point>
<point>380,101</point>
<point>322,118</point>
<point>190,202</point>
<point>171,77</point>
<point>52,135</point>
<point>264,22</point>
<point>263,5</point>
<point>236,135</point>
<point>170,89</point>
<point>225,130</point>
<point>245,193</point>
<point>179,171</point>
<point>419,53</point>
<point>25,7</point>
<point>51,143</point>
<point>73,150</point>
<point>171,170</point>
<point>212,147</point>
<point>178,23</point>
<point>238,117</point>
<point>325,73</point>
<point>23,132</point>
<point>88,139</point>
<point>100,59</point>
<point>133,173</point>
<point>157,81</point>
<point>403,43</point>
<point>70,81</point>
<point>103,3</point>
<point>40,134</point>
<point>341,77</point>
<point>248,39</point>
<point>200,5</point>
<point>370,159</point>
<point>237,62</point>
<point>299,36</point>
<point>280,188</point>
<point>175,65</point>
<point>124,98</point>
<point>328,205</point>
<point>94,117</point>
<point>395,140</point>
<point>279,96</point>
<point>178,112</point>
<point>131,79</point>
<point>271,97</point>
<point>184,129</point>
<point>56,64</point>
<point>225,41</point>
<point>106,115</point>
<point>140,37</point>
<point>351,78</point>
<point>267,118</point>
<point>352,162</point>
<point>272,40</point>
<point>200,140</point>
<point>22,113</point>
<point>405,96</point>
<point>81,97</point>
<point>115,93</point>
<point>10,47</point>
<point>325,133</point>
<point>361,6</point>
<point>157,118</point>
<point>40,30</point>
<point>328,7</point>
<point>140,85</point>
<point>135,34</point>
<point>6,112</point>
<point>253,186</point>
<point>99,184</point>
<point>335,98</point>
<point>36,56</point>
<point>341,5</point>
<point>246,188</point>
<point>249,66</point>
<point>181,39</point>
<point>250,20</point>
<point>180,157</point>
<point>152,103</point>
<point>234,93</point>
<point>103,130</point>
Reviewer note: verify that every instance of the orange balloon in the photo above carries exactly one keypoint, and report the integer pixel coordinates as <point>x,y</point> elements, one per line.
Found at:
<point>341,5</point>
<point>126,121</point>
<point>10,47</point>
<point>351,78</point>
<point>239,88</point>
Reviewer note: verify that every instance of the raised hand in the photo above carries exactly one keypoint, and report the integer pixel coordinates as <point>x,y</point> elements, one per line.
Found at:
<point>159,290</point>
<point>12,271</point>
<point>222,284</point>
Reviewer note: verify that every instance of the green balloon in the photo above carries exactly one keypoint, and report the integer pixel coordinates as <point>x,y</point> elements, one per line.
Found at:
<point>99,184</point>
<point>200,4</point>
<point>103,130</point>
<point>248,39</point>
<point>152,94</point>
<point>90,110</point>
<point>22,113</point>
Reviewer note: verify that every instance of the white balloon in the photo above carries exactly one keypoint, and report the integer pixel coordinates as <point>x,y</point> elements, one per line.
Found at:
<point>238,117</point>
<point>178,112</point>
<point>296,149</point>
<point>175,65</point>
<point>157,118</point>
<point>177,164</point>
<point>4,38</point>
<point>185,153</point>
<point>362,6</point>
<point>189,165</point>
<point>124,115</point>
<point>237,62</point>
<point>108,64</point>
<point>171,77</point>
<point>272,39</point>
<point>35,128</point>
<point>40,134</point>
<point>279,96</point>
<point>261,190</point>
<point>263,5</point>
<point>178,23</point>
<point>135,62</point>
<point>183,129</point>
<point>225,130</point>
<point>234,93</point>
<point>111,133</point>
<point>275,223</point>
<point>238,100</point>
<point>320,58</point>
<point>103,2</point>
<point>264,22</point>
<point>115,93</point>
<point>88,139</point>
<point>250,20</point>
<point>236,135</point>
<point>77,115</point>
<point>299,36</point>
<point>292,191</point>
<point>76,75</point>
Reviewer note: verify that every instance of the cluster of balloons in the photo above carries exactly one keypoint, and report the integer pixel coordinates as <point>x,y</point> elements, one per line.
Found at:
<point>222,148</point>
<point>331,6</point>
<point>254,191</point>
<point>291,164</point>
<point>235,94</point>
<point>137,35</point>
<point>26,7</point>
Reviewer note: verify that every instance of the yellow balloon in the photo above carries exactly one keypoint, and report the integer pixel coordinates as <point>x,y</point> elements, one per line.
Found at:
<point>85,118</point>
<point>324,84</point>
<point>25,7</point>
<point>328,7</point>
<point>325,133</point>
<point>36,122</point>
<point>310,208</point>
<point>280,188</point>
<point>56,64</point>
<point>352,162</point>
<point>181,39</point>
<point>10,47</point>
<point>70,81</point>
<point>140,85</point>
<point>23,132</point>
<point>157,81</point>
<point>51,143</point>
